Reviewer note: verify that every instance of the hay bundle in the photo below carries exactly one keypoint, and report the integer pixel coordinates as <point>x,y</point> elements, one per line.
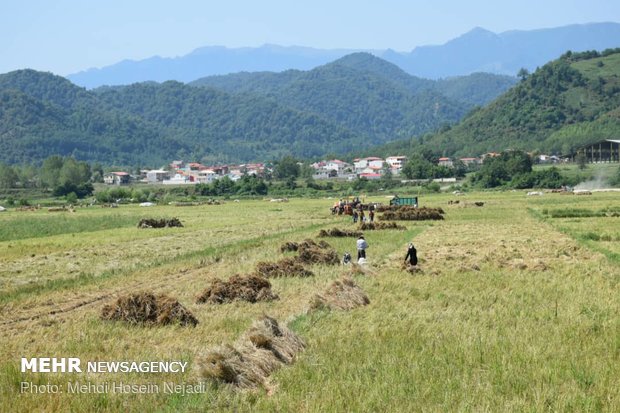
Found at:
<point>267,334</point>
<point>289,246</point>
<point>170,311</point>
<point>383,208</point>
<point>159,223</point>
<point>287,267</point>
<point>322,253</point>
<point>336,232</point>
<point>252,288</point>
<point>342,294</point>
<point>146,308</point>
<point>372,226</point>
<point>244,367</point>
<point>413,214</point>
<point>260,351</point>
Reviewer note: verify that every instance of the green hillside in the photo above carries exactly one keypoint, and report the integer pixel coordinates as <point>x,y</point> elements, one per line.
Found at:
<point>351,104</point>
<point>566,103</point>
<point>223,127</point>
<point>369,95</point>
<point>42,114</point>
<point>148,124</point>
<point>363,93</point>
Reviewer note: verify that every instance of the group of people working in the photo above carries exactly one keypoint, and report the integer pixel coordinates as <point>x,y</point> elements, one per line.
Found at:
<point>362,245</point>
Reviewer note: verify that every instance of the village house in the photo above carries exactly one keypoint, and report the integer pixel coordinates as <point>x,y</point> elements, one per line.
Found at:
<point>156,176</point>
<point>445,162</point>
<point>174,165</point>
<point>180,179</point>
<point>470,161</point>
<point>396,161</point>
<point>336,165</point>
<point>206,176</point>
<point>256,169</point>
<point>116,178</point>
<point>368,165</point>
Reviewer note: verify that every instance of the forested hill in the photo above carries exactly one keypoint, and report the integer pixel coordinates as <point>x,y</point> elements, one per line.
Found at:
<point>353,103</point>
<point>148,124</point>
<point>460,92</point>
<point>220,127</point>
<point>368,103</point>
<point>566,103</point>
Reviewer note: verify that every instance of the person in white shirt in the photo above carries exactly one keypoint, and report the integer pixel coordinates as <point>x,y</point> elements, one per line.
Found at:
<point>361,247</point>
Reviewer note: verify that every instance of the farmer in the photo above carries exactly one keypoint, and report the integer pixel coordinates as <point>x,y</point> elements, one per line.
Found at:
<point>362,215</point>
<point>354,216</point>
<point>361,247</point>
<point>412,255</point>
<point>371,215</point>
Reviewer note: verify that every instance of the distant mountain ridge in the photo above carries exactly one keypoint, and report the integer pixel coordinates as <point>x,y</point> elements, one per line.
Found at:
<point>478,50</point>
<point>350,104</point>
<point>461,92</point>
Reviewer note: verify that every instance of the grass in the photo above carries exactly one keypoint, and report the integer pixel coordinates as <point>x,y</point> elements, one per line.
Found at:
<point>514,310</point>
<point>602,172</point>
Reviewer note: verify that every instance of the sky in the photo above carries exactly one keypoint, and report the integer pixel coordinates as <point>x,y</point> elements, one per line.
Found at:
<point>67,36</point>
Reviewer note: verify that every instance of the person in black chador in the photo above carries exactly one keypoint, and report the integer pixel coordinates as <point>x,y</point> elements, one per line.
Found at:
<point>412,255</point>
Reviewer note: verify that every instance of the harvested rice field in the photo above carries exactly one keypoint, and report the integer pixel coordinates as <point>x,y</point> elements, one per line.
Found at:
<point>514,306</point>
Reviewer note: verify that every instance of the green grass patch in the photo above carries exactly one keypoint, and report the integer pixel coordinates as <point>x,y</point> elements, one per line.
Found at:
<point>38,226</point>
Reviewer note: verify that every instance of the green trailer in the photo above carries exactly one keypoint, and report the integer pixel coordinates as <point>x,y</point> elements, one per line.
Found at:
<point>413,201</point>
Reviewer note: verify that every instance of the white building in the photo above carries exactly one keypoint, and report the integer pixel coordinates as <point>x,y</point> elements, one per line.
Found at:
<point>372,162</point>
<point>206,176</point>
<point>336,165</point>
<point>179,179</point>
<point>396,162</point>
<point>156,176</point>
<point>444,162</point>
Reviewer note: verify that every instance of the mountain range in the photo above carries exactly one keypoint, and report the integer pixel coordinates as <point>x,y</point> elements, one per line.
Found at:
<point>478,50</point>
<point>350,104</point>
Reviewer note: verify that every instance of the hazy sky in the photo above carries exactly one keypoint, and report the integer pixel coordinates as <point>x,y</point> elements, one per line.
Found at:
<point>66,36</point>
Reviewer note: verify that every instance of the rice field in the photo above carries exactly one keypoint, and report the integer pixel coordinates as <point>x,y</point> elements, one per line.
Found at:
<point>515,306</point>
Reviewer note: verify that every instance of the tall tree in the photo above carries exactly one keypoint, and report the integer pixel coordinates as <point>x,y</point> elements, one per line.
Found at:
<point>8,176</point>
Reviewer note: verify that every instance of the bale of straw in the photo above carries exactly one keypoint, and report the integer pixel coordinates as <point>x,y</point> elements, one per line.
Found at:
<point>262,349</point>
<point>269,335</point>
<point>244,366</point>
<point>252,288</point>
<point>287,267</point>
<point>373,226</point>
<point>322,253</point>
<point>289,246</point>
<point>170,311</point>
<point>146,308</point>
<point>342,294</point>
<point>413,214</point>
<point>336,232</point>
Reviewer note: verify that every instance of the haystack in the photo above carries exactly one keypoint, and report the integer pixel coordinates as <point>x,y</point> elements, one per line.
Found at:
<point>146,308</point>
<point>322,253</point>
<point>342,294</point>
<point>287,267</point>
<point>159,223</point>
<point>336,232</point>
<point>252,288</point>
<point>373,226</point>
<point>261,350</point>
<point>267,334</point>
<point>289,246</point>
<point>406,213</point>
